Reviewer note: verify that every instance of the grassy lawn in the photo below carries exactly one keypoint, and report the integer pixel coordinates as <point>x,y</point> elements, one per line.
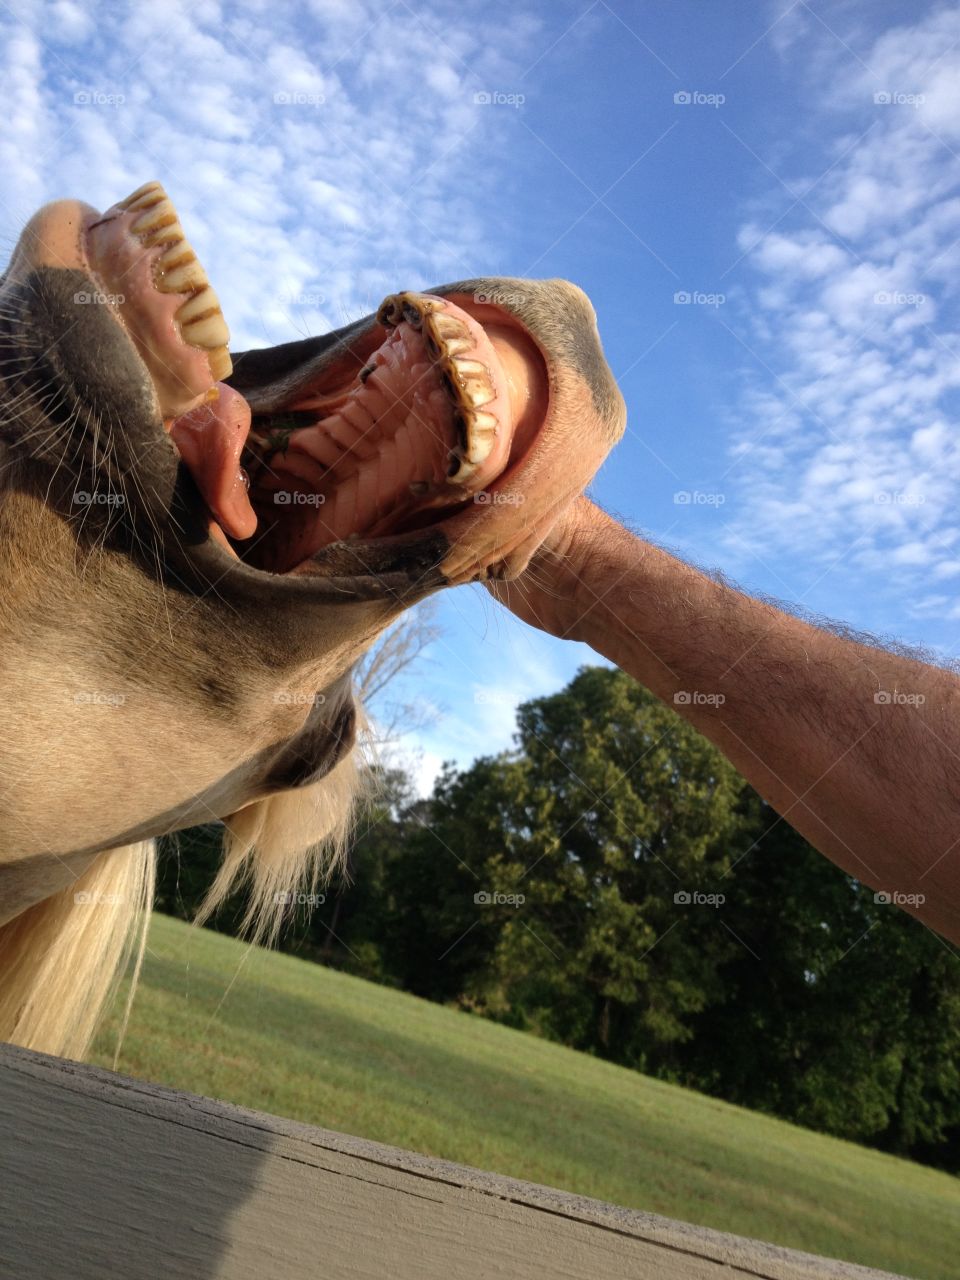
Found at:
<point>276,1033</point>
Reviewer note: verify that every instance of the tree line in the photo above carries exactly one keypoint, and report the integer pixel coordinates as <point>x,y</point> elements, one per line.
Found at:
<point>615,885</point>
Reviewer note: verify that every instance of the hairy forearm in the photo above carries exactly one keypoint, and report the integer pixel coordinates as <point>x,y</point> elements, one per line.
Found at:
<point>856,747</point>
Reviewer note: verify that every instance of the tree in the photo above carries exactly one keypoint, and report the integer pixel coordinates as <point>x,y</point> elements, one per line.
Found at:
<point>839,1011</point>
<point>610,807</point>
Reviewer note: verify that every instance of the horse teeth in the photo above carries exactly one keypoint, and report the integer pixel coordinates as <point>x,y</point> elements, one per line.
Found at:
<point>466,380</point>
<point>478,391</point>
<point>221,366</point>
<point>179,271</point>
<point>478,449</point>
<point>461,424</point>
<point>201,320</point>
<point>477,433</point>
<point>460,469</point>
<point>471,382</point>
<point>169,233</point>
<point>148,194</point>
<point>161,250</point>
<point>473,445</point>
<point>390,313</point>
<point>446,336</point>
<point>410,307</point>
<point>200,306</point>
<point>449,326</point>
<point>210,332</point>
<point>159,214</point>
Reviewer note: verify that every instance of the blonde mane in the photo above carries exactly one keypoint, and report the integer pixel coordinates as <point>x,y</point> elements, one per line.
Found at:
<point>62,959</point>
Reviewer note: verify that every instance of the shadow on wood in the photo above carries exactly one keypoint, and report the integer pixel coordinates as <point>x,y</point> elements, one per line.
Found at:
<point>103,1176</point>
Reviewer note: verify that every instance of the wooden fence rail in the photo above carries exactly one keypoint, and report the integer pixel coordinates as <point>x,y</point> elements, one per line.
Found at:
<point>102,1176</point>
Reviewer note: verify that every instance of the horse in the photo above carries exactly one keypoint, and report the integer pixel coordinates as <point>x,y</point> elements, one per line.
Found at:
<point>197,547</point>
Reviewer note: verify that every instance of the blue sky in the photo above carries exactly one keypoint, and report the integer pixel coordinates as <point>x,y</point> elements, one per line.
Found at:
<point>804,197</point>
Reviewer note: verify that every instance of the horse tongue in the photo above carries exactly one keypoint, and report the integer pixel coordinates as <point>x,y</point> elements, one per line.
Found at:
<point>210,439</point>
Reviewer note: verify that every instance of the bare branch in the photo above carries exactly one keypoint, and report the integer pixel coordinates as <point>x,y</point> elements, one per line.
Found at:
<point>397,652</point>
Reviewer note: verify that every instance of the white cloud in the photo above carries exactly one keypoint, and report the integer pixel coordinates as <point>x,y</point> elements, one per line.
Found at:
<point>70,23</point>
<point>805,256</point>
<point>851,452</point>
<point>329,151</point>
<point>421,766</point>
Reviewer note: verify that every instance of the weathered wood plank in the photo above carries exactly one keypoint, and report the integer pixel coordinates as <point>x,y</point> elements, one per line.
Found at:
<point>103,1176</point>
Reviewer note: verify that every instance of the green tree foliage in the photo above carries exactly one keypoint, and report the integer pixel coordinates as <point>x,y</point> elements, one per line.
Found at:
<point>611,807</point>
<point>839,1011</point>
<point>186,868</point>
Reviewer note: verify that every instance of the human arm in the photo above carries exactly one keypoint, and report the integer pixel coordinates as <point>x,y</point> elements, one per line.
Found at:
<point>855,746</point>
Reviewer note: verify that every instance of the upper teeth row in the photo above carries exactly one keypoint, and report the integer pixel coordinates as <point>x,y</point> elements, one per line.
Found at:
<point>178,270</point>
<point>466,381</point>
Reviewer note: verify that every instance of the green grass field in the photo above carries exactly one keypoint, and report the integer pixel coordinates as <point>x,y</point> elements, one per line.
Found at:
<point>269,1031</point>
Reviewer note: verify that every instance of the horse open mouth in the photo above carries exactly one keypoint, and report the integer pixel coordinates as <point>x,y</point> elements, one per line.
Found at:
<point>421,416</point>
